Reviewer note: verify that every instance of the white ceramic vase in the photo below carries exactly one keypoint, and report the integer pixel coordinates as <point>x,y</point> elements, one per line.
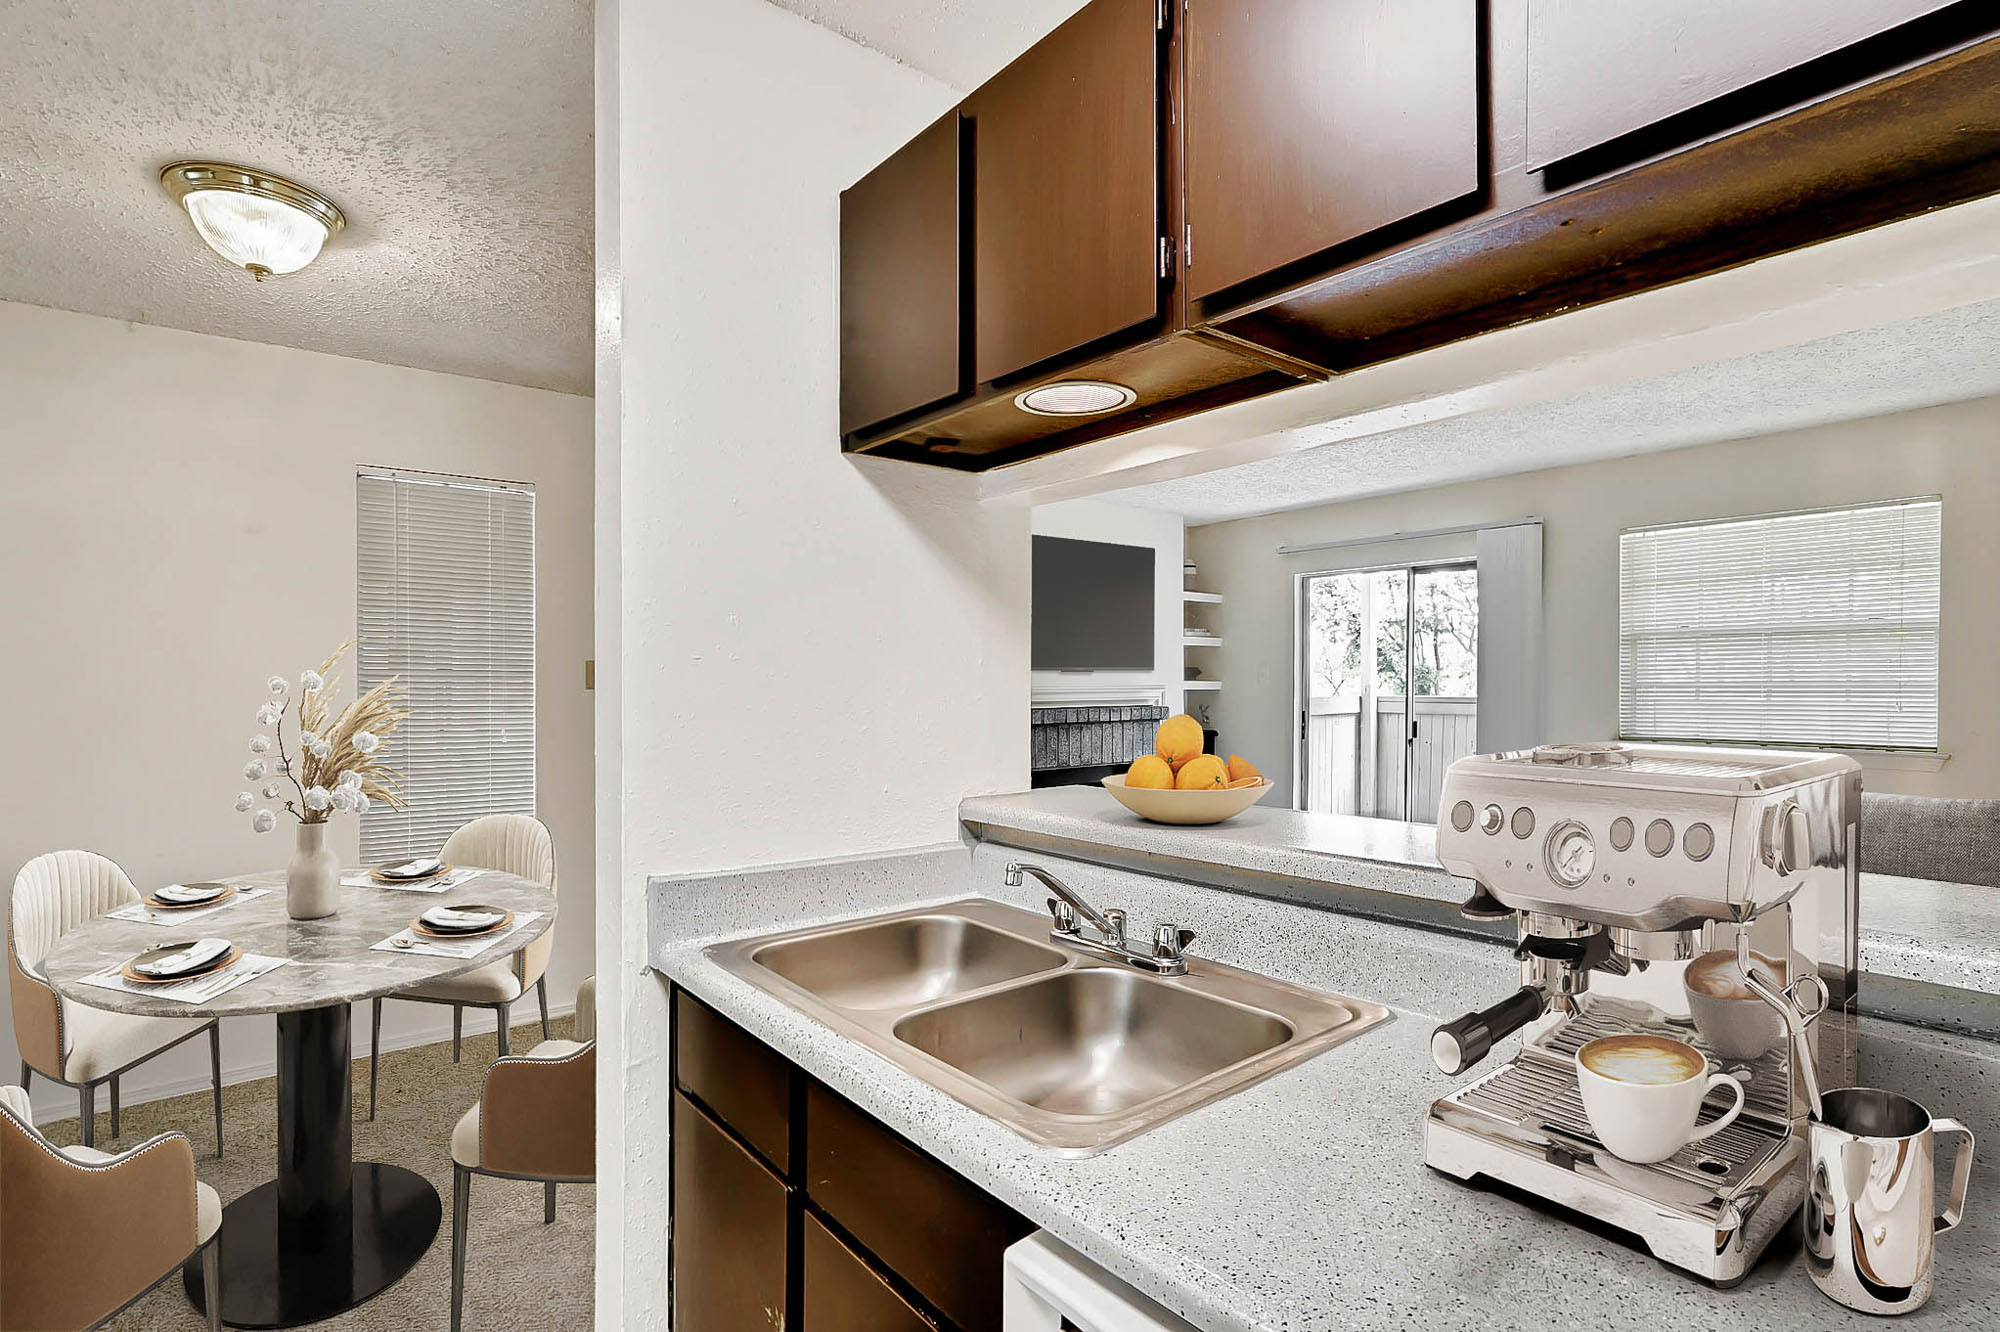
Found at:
<point>312,880</point>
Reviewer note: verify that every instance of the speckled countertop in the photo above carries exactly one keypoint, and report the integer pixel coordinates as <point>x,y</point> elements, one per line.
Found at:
<point>1943,934</point>
<point>1302,1203</point>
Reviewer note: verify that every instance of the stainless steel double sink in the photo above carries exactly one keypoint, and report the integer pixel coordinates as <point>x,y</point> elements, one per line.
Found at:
<point>1070,1051</point>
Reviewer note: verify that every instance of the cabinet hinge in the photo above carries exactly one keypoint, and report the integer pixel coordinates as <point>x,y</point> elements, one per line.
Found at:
<point>1187,246</point>
<point>1160,15</point>
<point>1166,256</point>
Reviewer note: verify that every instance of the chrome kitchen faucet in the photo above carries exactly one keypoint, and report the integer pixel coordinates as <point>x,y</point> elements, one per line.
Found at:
<point>1169,955</point>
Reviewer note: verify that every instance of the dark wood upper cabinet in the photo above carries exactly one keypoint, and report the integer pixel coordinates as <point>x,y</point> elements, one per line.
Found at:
<point>730,1217</point>
<point>1066,169</point>
<point>1598,70</point>
<point>900,281</point>
<point>1313,122</point>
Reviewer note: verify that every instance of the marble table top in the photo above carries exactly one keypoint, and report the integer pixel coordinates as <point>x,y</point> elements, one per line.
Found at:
<point>330,961</point>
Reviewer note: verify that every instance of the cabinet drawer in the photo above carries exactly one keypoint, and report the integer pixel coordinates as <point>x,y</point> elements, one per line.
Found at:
<point>931,1228</point>
<point>728,1241</point>
<point>746,1083</point>
<point>843,1294</point>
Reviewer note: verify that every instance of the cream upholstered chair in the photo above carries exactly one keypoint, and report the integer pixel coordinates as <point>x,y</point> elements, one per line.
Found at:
<point>75,1044</point>
<point>536,1119</point>
<point>515,844</point>
<point>83,1233</point>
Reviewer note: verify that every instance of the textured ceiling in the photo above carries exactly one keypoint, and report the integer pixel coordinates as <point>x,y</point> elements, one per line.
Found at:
<point>962,42</point>
<point>455,136</point>
<point>1937,358</point>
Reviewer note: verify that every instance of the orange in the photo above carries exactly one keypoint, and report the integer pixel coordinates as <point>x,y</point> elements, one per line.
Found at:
<point>1241,782</point>
<point>1178,740</point>
<point>1151,771</point>
<point>1203,772</point>
<point>1240,767</point>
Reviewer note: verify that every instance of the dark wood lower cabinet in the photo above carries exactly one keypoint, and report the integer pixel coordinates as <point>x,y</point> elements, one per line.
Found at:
<point>840,1227</point>
<point>729,1231</point>
<point>843,1294</point>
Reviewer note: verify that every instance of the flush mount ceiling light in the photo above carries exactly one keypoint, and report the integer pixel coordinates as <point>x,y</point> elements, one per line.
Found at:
<point>255,220</point>
<point>1075,397</point>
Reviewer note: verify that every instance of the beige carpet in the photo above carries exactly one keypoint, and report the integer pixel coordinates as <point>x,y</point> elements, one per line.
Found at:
<point>520,1274</point>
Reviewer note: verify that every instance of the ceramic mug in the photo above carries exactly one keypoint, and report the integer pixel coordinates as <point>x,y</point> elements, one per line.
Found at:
<point>1643,1094</point>
<point>1731,1017</point>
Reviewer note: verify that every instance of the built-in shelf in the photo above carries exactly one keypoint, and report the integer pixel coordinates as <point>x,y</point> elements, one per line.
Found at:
<point>1200,640</point>
<point>1205,598</point>
<point>1193,685</point>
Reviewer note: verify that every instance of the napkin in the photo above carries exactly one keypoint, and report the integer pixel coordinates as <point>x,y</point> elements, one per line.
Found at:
<point>181,892</point>
<point>197,954</point>
<point>445,918</point>
<point>412,869</point>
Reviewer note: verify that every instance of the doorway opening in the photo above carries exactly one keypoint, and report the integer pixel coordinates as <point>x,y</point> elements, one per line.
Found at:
<point>1389,688</point>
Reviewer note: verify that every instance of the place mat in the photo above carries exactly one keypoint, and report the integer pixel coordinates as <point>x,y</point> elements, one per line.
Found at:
<point>463,874</point>
<point>146,915</point>
<point>200,989</point>
<point>424,944</point>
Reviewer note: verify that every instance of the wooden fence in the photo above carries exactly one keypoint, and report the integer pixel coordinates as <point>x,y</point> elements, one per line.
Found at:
<point>1344,775</point>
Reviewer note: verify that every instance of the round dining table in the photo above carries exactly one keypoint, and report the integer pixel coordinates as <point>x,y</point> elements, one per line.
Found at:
<point>328,1232</point>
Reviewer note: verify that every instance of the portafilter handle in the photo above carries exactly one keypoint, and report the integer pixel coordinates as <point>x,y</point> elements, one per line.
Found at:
<point>1463,1042</point>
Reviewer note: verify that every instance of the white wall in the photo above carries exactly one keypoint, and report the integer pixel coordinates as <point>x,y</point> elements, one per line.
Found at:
<point>177,524</point>
<point>819,655</point>
<point>1093,520</point>
<point>1942,450</point>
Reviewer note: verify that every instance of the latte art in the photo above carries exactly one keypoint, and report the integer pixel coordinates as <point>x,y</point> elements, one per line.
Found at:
<point>1718,976</point>
<point>1644,1061</point>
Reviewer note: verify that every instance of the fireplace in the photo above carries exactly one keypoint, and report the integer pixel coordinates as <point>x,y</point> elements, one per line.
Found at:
<point>1078,745</point>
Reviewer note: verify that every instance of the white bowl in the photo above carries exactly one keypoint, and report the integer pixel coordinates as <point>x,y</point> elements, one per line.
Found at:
<point>1185,807</point>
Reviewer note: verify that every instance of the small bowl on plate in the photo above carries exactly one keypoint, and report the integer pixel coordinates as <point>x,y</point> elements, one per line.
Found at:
<point>1186,808</point>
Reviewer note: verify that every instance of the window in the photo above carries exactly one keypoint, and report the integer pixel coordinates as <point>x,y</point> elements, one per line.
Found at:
<point>1815,628</point>
<point>447,605</point>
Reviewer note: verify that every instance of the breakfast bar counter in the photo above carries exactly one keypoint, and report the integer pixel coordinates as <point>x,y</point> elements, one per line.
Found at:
<point>1302,1202</point>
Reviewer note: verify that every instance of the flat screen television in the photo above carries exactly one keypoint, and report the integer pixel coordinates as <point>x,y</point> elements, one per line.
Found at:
<point>1093,606</point>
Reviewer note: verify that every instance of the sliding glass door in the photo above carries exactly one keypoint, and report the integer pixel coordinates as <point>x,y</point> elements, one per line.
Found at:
<point>1389,692</point>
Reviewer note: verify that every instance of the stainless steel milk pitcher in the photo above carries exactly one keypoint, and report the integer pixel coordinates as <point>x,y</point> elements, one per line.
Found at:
<point>1871,1202</point>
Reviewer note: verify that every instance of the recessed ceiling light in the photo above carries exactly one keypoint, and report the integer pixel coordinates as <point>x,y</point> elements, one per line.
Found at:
<point>1075,397</point>
<point>259,222</point>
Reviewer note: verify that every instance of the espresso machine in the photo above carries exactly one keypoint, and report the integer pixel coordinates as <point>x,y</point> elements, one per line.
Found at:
<point>1620,863</point>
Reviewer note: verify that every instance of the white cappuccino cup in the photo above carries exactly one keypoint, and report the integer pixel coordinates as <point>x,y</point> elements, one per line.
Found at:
<point>1643,1094</point>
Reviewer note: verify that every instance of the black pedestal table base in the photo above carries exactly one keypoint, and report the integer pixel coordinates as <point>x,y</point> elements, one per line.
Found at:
<point>328,1233</point>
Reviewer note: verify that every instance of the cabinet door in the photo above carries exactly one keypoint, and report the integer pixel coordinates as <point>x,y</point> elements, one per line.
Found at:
<point>929,1226</point>
<point>1065,148</point>
<point>842,1294</point>
<point>743,1082</point>
<point>899,281</point>
<point>728,1232</point>
<point>1312,122</point>
<point>1599,70</point>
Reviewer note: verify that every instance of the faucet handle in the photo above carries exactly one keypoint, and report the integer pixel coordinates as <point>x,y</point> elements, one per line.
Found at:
<point>1063,916</point>
<point>1116,917</point>
<point>1170,942</point>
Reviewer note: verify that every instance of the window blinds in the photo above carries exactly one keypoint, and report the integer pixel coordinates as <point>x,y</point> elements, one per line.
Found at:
<point>1815,628</point>
<point>447,605</point>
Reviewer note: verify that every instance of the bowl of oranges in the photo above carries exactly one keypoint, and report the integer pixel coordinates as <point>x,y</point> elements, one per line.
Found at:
<point>1177,783</point>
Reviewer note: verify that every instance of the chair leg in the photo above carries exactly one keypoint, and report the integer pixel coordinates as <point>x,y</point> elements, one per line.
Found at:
<point>549,1203</point>
<point>114,1107</point>
<point>211,1281</point>
<point>86,1114</point>
<point>215,1079</point>
<point>461,1215</point>
<point>457,1029</point>
<point>374,1054</point>
<point>501,1014</point>
<point>542,995</point>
